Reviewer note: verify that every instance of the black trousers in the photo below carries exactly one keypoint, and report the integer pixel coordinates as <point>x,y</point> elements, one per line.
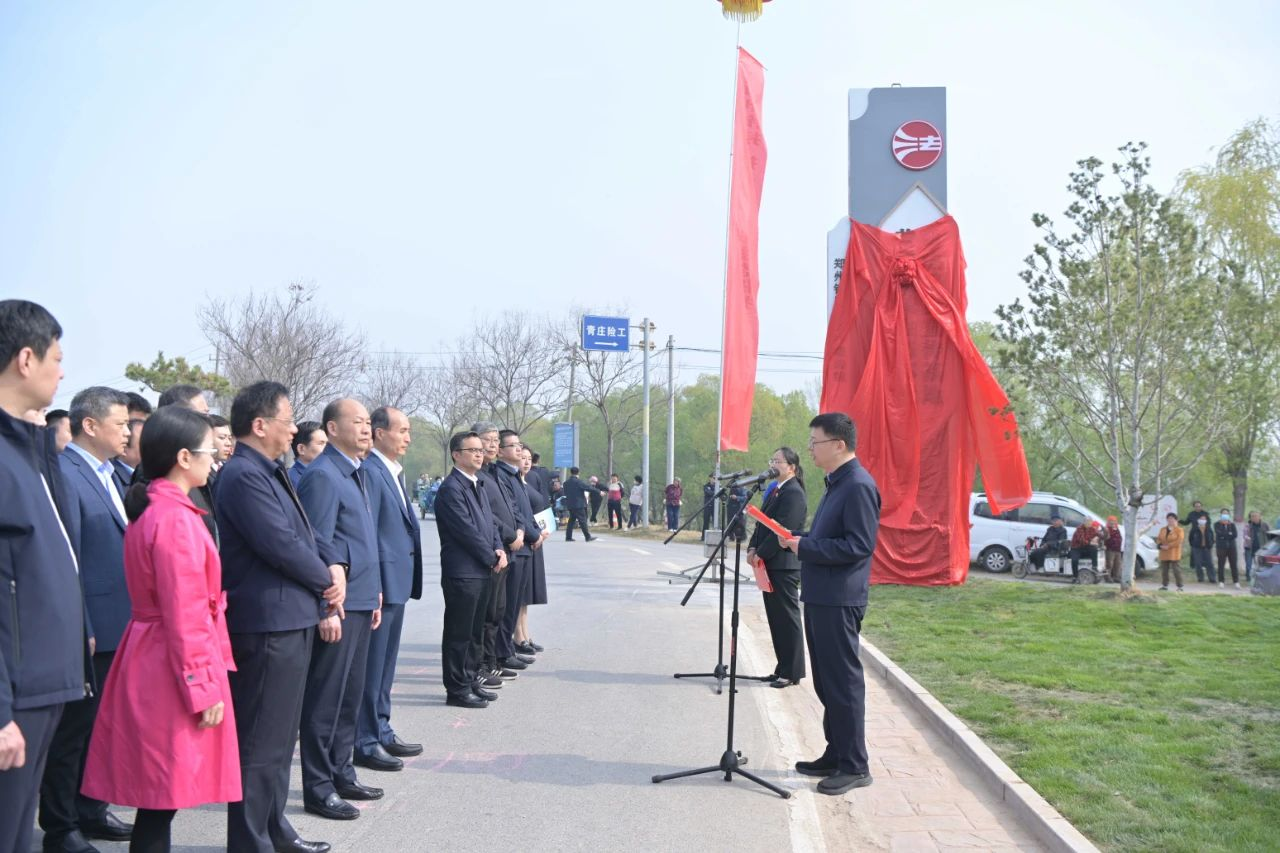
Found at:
<point>20,786</point>
<point>464,612</point>
<point>266,692</point>
<point>1090,551</point>
<point>519,577</point>
<point>335,683</point>
<point>595,506</point>
<point>1227,555</point>
<point>577,516</point>
<point>62,806</point>
<point>832,634</point>
<point>782,607</point>
<point>495,606</point>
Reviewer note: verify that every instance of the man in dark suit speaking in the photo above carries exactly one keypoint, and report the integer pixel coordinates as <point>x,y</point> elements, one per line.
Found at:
<point>470,552</point>
<point>835,564</point>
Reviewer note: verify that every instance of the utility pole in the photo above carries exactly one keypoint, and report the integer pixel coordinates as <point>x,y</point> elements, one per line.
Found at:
<point>671,409</point>
<point>644,452</point>
<point>568,406</point>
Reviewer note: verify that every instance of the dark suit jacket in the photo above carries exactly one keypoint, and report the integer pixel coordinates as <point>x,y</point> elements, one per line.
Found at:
<point>340,514</point>
<point>100,544</point>
<point>468,536</point>
<point>500,505</point>
<point>296,470</point>
<point>42,616</point>
<point>835,554</point>
<point>514,490</point>
<point>575,493</point>
<point>271,568</point>
<point>789,506</point>
<point>399,536</point>
<point>540,478</point>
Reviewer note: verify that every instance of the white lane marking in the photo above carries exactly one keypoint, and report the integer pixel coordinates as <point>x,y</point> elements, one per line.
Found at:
<point>642,551</point>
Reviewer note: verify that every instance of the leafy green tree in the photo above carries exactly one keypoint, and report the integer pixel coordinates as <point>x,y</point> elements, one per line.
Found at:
<point>1235,203</point>
<point>167,372</point>
<point>1112,340</point>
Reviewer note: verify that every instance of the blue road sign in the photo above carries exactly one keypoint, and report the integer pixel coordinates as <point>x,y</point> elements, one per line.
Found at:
<point>565,445</point>
<point>608,334</point>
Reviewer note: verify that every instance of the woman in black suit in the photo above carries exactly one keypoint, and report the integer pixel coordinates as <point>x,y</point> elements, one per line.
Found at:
<point>788,504</point>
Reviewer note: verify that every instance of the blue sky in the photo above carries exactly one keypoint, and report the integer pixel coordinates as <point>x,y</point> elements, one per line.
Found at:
<point>426,163</point>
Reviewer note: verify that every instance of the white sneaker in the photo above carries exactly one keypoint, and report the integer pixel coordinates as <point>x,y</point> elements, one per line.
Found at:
<point>1237,586</point>
<point>1222,586</point>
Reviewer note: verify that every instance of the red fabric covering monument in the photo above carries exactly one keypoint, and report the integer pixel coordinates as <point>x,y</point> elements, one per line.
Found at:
<point>900,362</point>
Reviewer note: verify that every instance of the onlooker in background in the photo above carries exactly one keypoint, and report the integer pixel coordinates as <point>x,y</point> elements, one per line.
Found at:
<point>636,502</point>
<point>139,406</point>
<point>126,463</point>
<point>166,737</point>
<point>184,395</point>
<point>575,497</point>
<point>59,423</point>
<point>49,627</point>
<point>1255,539</point>
<point>538,502</point>
<point>595,494</point>
<point>540,477</point>
<point>735,519</point>
<point>1169,543</point>
<point>1051,543</point>
<point>1225,536</point>
<point>1197,512</point>
<point>615,501</point>
<point>1200,538</point>
<point>673,495</point>
<point>1113,540</point>
<point>708,496</point>
<point>223,440</point>
<point>96,521</point>
<point>1084,543</point>
<point>308,444</point>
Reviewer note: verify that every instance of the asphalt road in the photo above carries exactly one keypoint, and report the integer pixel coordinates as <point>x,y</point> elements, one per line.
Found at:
<point>563,760</point>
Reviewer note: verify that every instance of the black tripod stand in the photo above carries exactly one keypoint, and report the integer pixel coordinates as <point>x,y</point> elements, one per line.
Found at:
<point>731,761</point>
<point>721,672</point>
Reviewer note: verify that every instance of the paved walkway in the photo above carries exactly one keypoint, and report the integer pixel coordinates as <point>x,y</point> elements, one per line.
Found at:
<point>563,760</point>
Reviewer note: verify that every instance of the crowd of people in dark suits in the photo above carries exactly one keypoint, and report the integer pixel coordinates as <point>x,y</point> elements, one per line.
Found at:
<point>179,610</point>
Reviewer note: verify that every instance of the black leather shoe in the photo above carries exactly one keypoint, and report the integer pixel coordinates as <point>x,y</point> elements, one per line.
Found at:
<point>527,660</point>
<point>297,845</point>
<point>592,538</point>
<point>466,700</point>
<point>334,808</point>
<point>821,767</point>
<point>526,649</point>
<point>400,748</point>
<point>783,682</point>
<point>377,759</point>
<point>486,695</point>
<point>72,842</point>
<point>841,782</point>
<point>108,828</point>
<point>535,646</point>
<point>513,663</point>
<point>356,791</point>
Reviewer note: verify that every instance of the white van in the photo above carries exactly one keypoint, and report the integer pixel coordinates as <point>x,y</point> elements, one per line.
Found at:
<point>993,540</point>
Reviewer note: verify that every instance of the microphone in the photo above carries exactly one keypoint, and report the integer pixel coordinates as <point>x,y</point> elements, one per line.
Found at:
<point>735,475</point>
<point>766,474</point>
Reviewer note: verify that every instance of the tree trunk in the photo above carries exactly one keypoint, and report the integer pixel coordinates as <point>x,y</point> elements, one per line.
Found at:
<point>1129,559</point>
<point>1239,492</point>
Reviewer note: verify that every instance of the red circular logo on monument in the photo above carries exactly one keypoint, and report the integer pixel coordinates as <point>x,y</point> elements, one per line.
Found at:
<point>917,144</point>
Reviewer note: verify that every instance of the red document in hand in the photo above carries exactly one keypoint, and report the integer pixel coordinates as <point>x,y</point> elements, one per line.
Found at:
<point>762,576</point>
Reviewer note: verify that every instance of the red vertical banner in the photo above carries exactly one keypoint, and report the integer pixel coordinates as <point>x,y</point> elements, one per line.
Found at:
<point>742,268</point>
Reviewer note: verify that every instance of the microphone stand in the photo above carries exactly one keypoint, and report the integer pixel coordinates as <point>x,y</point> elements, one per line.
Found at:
<point>731,761</point>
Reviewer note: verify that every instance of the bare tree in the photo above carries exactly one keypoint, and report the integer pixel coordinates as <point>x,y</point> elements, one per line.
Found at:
<point>397,380</point>
<point>512,369</point>
<point>448,405</point>
<point>286,337</point>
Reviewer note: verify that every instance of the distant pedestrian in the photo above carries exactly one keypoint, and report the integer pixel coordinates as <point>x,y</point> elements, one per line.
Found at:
<point>708,499</point>
<point>1113,541</point>
<point>674,495</point>
<point>1255,539</point>
<point>615,501</point>
<point>1225,536</point>
<point>1200,538</point>
<point>1169,543</point>
<point>636,502</point>
<point>596,497</point>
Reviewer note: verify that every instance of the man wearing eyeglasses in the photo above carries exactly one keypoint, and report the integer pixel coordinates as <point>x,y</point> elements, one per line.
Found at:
<point>835,565</point>
<point>507,472</point>
<point>471,553</point>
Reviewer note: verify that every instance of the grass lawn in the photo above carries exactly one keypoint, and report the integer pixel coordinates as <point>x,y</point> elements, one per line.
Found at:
<point>1151,723</point>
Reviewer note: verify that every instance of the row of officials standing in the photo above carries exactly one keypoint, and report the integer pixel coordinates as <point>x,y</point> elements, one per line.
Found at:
<point>308,585</point>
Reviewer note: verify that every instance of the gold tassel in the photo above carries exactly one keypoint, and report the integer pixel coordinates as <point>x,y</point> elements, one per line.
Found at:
<point>743,10</point>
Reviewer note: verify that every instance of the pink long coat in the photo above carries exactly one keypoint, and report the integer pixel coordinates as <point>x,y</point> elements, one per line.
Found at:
<point>147,749</point>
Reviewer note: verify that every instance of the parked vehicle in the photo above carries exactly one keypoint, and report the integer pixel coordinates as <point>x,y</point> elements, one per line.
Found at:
<point>1266,567</point>
<point>994,540</point>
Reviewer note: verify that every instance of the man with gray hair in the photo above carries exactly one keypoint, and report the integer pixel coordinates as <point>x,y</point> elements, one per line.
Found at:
<point>99,433</point>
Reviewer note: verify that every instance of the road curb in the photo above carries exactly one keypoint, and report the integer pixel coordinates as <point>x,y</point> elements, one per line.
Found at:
<point>1050,828</point>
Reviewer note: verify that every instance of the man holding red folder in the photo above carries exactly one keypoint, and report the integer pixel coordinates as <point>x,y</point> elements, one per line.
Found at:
<point>835,565</point>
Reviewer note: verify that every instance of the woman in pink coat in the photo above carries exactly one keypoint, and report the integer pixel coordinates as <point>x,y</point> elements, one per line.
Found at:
<point>165,737</point>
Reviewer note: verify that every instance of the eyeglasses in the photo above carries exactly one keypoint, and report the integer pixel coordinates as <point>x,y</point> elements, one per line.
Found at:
<point>517,446</point>
<point>469,450</point>
<point>813,444</point>
<point>209,450</point>
<point>281,420</point>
